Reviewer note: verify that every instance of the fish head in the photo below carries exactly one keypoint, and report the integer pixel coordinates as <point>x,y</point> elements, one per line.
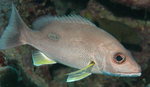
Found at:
<point>118,61</point>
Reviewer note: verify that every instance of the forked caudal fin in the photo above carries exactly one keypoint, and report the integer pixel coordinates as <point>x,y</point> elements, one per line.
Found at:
<point>14,33</point>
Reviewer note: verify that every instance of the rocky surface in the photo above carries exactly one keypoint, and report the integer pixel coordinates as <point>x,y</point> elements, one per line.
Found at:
<point>135,3</point>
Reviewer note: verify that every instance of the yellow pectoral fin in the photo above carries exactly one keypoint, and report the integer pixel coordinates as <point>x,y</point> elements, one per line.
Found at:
<point>41,59</point>
<point>80,74</point>
<point>76,77</point>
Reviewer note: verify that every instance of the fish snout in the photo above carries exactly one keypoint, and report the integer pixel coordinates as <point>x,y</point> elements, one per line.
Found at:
<point>137,69</point>
<point>127,69</point>
<point>134,67</point>
<point>133,70</point>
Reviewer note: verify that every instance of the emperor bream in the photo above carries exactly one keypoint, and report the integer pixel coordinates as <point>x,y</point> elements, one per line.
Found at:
<point>73,41</point>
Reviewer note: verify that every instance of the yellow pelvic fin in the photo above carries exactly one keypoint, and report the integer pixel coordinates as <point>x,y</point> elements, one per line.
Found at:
<point>40,58</point>
<point>80,74</point>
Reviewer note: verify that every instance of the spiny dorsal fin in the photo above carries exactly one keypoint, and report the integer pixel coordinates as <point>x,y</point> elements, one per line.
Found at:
<point>43,21</point>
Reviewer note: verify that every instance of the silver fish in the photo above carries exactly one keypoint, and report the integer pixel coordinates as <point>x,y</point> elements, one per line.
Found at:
<point>73,41</point>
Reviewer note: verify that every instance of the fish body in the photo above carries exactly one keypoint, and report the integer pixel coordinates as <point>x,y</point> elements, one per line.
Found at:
<point>73,41</point>
<point>77,44</point>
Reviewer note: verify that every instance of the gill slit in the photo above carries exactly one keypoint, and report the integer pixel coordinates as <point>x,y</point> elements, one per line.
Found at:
<point>103,61</point>
<point>96,64</point>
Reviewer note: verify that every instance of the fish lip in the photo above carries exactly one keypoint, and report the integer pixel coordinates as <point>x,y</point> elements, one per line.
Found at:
<point>123,74</point>
<point>130,74</point>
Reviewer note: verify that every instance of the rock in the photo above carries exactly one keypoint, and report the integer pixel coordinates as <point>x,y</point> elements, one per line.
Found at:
<point>8,77</point>
<point>21,59</point>
<point>121,31</point>
<point>69,6</point>
<point>135,3</point>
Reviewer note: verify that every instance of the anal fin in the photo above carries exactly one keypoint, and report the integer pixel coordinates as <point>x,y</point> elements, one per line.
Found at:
<point>40,58</point>
<point>80,74</point>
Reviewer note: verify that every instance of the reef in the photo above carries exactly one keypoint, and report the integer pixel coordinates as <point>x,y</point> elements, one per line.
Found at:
<point>135,3</point>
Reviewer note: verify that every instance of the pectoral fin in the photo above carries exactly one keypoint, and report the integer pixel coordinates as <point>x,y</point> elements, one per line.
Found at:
<point>80,74</point>
<point>40,58</point>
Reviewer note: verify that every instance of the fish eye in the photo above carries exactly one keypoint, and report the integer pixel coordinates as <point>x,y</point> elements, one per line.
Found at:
<point>119,58</point>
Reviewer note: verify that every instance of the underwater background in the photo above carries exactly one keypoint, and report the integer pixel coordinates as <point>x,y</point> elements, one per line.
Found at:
<point>127,20</point>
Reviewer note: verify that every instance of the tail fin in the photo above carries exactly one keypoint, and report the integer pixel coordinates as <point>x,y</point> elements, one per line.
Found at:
<point>14,34</point>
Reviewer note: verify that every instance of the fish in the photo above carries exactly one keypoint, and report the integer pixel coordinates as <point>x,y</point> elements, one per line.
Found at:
<point>73,41</point>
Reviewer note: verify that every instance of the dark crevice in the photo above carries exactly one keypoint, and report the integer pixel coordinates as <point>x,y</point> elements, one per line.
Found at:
<point>121,10</point>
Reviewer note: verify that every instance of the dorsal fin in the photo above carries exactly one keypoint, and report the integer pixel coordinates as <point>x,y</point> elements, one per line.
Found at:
<point>43,21</point>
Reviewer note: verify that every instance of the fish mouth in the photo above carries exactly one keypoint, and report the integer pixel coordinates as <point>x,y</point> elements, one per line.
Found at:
<point>124,74</point>
<point>133,74</point>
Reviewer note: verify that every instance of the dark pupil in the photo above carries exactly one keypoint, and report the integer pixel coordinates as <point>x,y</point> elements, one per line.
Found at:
<point>119,58</point>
